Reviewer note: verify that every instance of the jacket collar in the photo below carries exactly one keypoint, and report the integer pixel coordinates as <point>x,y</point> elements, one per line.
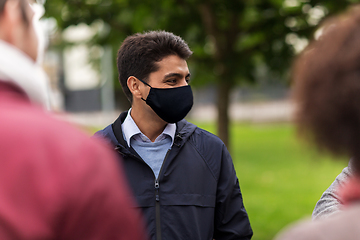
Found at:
<point>130,129</point>
<point>10,89</point>
<point>183,131</point>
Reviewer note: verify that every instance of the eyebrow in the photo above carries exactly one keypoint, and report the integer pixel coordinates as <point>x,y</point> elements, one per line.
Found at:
<point>176,75</point>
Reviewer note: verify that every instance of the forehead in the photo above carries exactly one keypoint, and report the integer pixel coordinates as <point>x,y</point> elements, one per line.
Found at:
<point>172,64</point>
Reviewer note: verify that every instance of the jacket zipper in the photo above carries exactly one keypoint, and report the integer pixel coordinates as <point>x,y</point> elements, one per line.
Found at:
<point>157,210</point>
<point>157,196</point>
<point>157,201</point>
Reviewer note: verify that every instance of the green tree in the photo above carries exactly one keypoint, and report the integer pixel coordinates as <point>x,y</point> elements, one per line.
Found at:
<point>230,38</point>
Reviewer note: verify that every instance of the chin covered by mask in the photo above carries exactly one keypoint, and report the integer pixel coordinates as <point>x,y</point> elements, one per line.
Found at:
<point>170,104</point>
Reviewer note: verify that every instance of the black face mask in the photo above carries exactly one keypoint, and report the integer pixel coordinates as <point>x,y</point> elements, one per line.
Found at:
<point>170,104</point>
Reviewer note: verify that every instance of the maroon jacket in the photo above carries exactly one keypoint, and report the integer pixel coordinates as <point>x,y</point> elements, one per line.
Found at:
<point>55,182</point>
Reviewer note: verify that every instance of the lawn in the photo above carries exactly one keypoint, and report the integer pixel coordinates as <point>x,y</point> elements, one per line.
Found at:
<point>281,178</point>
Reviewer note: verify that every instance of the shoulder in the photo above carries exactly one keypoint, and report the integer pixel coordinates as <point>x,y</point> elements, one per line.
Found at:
<point>107,134</point>
<point>202,133</point>
<point>206,141</point>
<point>51,154</point>
<point>197,135</point>
<point>47,138</point>
<point>210,147</point>
<point>343,225</point>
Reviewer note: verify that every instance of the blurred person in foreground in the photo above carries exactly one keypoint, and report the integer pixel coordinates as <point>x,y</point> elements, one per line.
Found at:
<point>327,94</point>
<point>55,182</point>
<point>330,201</point>
<point>182,176</point>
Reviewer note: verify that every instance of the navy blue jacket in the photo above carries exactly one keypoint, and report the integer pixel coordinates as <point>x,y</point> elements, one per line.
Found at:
<point>197,194</point>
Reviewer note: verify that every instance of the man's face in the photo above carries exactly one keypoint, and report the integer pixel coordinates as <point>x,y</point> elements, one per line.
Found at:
<point>173,72</point>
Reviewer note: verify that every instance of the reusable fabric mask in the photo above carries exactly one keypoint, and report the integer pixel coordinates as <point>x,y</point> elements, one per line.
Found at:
<point>170,104</point>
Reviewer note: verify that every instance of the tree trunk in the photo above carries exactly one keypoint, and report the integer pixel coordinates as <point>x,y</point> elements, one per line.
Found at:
<point>223,99</point>
<point>223,42</point>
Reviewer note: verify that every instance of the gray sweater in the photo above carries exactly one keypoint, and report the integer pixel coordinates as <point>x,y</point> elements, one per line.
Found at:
<point>329,202</point>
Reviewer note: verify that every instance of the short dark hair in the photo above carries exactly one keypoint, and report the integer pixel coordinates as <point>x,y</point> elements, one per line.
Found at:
<point>22,8</point>
<point>2,4</point>
<point>140,52</point>
<point>327,87</point>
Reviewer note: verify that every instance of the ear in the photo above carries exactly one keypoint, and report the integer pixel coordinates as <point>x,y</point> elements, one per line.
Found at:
<point>135,87</point>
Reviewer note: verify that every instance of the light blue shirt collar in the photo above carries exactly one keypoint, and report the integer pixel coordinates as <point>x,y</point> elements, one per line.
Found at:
<point>130,129</point>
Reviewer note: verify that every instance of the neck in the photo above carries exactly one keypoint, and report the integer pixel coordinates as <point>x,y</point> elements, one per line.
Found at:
<point>147,121</point>
<point>350,191</point>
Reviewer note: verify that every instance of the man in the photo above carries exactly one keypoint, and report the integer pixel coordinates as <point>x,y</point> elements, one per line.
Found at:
<point>55,182</point>
<point>182,176</point>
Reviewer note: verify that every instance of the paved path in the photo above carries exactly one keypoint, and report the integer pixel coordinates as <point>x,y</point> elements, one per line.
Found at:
<point>279,111</point>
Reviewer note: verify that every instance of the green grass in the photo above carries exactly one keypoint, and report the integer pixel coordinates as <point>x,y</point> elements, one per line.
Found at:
<point>280,177</point>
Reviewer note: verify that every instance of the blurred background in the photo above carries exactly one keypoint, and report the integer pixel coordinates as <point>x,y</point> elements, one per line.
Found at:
<point>241,78</point>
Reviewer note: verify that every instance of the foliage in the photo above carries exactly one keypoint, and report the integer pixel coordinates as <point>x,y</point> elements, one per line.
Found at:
<point>231,39</point>
<point>240,33</point>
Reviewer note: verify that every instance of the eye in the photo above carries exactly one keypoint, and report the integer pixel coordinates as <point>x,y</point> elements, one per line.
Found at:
<point>188,80</point>
<point>171,81</point>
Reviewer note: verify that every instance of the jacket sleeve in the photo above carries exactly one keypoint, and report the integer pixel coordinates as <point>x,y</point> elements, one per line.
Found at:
<point>231,218</point>
<point>329,202</point>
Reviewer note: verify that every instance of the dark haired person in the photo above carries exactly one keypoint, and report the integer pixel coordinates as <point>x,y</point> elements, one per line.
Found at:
<point>55,182</point>
<point>182,176</point>
<point>327,94</point>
